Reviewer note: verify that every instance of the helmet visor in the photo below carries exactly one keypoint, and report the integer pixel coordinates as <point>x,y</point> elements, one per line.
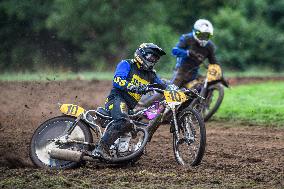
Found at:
<point>203,35</point>
<point>153,58</point>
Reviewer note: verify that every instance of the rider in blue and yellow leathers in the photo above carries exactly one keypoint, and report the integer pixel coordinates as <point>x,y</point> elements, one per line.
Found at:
<point>130,82</point>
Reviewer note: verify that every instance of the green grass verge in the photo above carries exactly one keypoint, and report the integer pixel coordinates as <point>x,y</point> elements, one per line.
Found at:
<point>59,76</point>
<point>256,103</point>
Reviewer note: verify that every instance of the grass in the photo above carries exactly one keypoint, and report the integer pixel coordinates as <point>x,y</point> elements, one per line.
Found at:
<point>256,103</point>
<point>108,75</point>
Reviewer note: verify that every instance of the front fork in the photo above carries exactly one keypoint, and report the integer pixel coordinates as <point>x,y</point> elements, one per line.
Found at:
<point>188,136</point>
<point>198,101</point>
<point>175,123</point>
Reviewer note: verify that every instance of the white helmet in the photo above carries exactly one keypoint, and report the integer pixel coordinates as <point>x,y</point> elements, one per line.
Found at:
<point>202,31</point>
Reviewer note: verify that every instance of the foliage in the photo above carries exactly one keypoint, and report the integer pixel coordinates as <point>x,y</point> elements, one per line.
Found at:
<point>78,35</point>
<point>245,42</point>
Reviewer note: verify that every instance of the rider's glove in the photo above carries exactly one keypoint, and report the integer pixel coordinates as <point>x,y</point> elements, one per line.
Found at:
<point>141,89</point>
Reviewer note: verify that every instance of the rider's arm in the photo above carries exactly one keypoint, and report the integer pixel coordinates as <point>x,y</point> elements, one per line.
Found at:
<point>212,55</point>
<point>180,50</point>
<point>120,75</point>
<point>161,83</point>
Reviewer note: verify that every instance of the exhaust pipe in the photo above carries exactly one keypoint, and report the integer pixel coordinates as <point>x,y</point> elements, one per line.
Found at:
<point>66,155</point>
<point>69,155</point>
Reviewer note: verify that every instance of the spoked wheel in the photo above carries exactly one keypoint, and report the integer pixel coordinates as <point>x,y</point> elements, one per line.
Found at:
<point>43,141</point>
<point>213,101</point>
<point>190,147</point>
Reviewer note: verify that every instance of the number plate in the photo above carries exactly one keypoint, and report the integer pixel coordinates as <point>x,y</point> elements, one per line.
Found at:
<point>175,96</point>
<point>72,110</point>
<point>214,72</point>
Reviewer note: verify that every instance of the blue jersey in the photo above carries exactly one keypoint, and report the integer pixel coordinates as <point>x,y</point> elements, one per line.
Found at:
<point>127,73</point>
<point>197,53</point>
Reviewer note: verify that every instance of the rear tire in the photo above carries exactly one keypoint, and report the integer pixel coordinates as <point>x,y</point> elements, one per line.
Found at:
<point>192,134</point>
<point>51,129</point>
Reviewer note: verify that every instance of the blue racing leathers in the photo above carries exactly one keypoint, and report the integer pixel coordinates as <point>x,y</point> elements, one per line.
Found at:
<point>128,73</point>
<point>121,98</point>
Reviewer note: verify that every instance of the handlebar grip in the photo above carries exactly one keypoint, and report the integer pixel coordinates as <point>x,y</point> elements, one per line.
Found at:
<point>155,89</point>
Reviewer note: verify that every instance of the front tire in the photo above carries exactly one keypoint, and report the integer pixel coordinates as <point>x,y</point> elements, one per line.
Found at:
<point>190,147</point>
<point>51,129</point>
<point>213,101</point>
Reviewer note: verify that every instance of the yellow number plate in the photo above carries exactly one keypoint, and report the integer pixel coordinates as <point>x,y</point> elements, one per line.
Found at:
<point>72,110</point>
<point>175,96</point>
<point>214,72</point>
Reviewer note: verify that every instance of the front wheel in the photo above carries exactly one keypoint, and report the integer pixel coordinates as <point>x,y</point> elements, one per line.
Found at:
<point>43,141</point>
<point>189,147</point>
<point>213,100</point>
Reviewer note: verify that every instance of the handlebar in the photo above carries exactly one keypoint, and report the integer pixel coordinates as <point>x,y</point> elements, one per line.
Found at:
<point>186,91</point>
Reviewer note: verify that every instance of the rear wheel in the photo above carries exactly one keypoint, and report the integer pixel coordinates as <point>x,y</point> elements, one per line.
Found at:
<point>41,142</point>
<point>190,147</point>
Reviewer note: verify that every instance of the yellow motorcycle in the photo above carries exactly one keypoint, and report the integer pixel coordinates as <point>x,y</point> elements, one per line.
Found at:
<point>211,88</point>
<point>67,141</point>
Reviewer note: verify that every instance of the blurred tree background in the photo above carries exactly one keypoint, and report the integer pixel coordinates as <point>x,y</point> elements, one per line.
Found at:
<point>38,35</point>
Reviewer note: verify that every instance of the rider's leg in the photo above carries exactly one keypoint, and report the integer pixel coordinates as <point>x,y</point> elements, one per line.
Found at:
<point>184,75</point>
<point>148,100</point>
<point>121,124</point>
<point>179,76</point>
<point>192,74</point>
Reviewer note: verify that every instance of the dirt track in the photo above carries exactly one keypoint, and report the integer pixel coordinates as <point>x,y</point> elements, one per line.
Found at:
<point>237,155</point>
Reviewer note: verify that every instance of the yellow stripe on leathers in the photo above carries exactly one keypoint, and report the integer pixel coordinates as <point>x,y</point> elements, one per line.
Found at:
<point>137,81</point>
<point>119,81</point>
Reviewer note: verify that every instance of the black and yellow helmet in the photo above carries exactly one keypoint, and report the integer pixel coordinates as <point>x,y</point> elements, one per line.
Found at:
<point>147,55</point>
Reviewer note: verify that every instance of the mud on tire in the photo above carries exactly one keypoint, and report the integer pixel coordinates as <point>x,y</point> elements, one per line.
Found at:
<point>217,88</point>
<point>197,129</point>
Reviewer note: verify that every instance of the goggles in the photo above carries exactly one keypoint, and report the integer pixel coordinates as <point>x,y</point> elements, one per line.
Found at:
<point>153,58</point>
<point>203,35</point>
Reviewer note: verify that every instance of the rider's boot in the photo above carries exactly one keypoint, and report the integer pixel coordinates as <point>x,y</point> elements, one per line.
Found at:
<point>102,150</point>
<point>130,127</point>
